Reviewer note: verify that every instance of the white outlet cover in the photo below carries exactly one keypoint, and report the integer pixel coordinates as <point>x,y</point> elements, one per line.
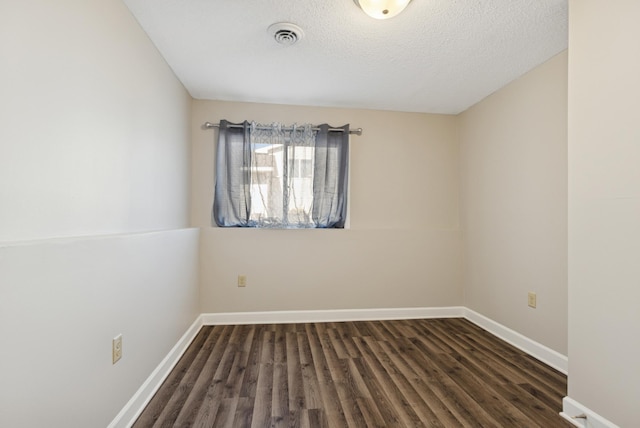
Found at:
<point>116,349</point>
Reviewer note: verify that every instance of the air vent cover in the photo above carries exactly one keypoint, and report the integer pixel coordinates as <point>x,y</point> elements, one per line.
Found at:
<point>286,33</point>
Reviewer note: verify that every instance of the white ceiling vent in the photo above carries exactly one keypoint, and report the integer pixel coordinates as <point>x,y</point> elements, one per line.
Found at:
<point>286,33</point>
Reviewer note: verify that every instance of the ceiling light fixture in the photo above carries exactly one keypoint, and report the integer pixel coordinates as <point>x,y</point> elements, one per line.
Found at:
<point>382,9</point>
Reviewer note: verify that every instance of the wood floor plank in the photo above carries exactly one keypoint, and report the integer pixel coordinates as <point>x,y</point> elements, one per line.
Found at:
<point>280,397</point>
<point>188,363</point>
<point>347,332</point>
<point>536,410</point>
<point>459,402</point>
<point>483,394</point>
<point>502,381</point>
<point>207,412</point>
<point>263,400</point>
<point>267,346</point>
<point>406,373</point>
<point>333,409</point>
<point>389,361</point>
<point>522,369</point>
<point>523,362</point>
<point>238,370</point>
<point>370,412</point>
<point>337,344</point>
<point>213,400</point>
<point>383,404</point>
<point>226,412</point>
<point>430,399</point>
<point>310,386</point>
<point>405,412</point>
<point>250,381</point>
<point>317,418</point>
<point>183,405</point>
<point>244,413</point>
<point>342,384</point>
<point>295,386</point>
<point>474,381</point>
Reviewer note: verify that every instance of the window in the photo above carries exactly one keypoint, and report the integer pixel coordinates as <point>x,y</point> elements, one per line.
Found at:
<point>281,177</point>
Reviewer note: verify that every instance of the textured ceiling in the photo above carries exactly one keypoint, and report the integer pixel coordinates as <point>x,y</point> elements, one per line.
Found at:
<point>438,56</point>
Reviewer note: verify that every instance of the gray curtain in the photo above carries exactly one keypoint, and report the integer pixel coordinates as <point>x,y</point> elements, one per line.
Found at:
<point>267,177</point>
<point>232,201</point>
<point>330,179</point>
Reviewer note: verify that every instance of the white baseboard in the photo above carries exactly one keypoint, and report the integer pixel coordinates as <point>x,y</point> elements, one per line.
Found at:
<point>132,410</point>
<point>531,347</point>
<point>336,315</point>
<point>141,398</point>
<point>583,417</point>
<point>537,350</point>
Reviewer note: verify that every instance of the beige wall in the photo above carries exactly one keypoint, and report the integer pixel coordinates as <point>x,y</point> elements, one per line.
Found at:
<point>604,208</point>
<point>403,247</point>
<point>94,137</point>
<point>61,303</point>
<point>514,204</point>
<point>94,140</point>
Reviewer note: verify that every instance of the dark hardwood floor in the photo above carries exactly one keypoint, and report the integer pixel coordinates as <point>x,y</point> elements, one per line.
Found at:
<point>413,373</point>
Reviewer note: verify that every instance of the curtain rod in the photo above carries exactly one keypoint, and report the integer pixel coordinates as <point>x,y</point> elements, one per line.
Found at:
<point>209,125</point>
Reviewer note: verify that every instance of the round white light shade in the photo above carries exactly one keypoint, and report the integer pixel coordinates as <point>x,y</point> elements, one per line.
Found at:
<point>382,9</point>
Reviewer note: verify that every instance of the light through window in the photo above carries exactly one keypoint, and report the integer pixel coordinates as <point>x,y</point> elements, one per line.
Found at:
<point>281,177</point>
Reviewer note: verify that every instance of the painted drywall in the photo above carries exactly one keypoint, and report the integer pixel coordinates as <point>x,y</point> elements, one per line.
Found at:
<point>94,140</point>
<point>604,208</point>
<point>513,150</point>
<point>403,245</point>
<point>94,130</point>
<point>62,302</point>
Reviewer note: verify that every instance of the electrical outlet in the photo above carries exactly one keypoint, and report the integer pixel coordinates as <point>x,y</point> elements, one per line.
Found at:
<point>532,300</point>
<point>116,348</point>
<point>242,280</point>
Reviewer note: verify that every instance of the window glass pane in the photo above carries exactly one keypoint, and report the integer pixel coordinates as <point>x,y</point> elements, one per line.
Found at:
<point>281,177</point>
<point>300,186</point>
<point>267,165</point>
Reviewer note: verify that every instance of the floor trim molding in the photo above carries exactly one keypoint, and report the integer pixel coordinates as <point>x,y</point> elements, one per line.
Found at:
<point>531,347</point>
<point>132,410</point>
<point>537,350</point>
<point>141,398</point>
<point>582,416</point>
<point>336,315</point>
